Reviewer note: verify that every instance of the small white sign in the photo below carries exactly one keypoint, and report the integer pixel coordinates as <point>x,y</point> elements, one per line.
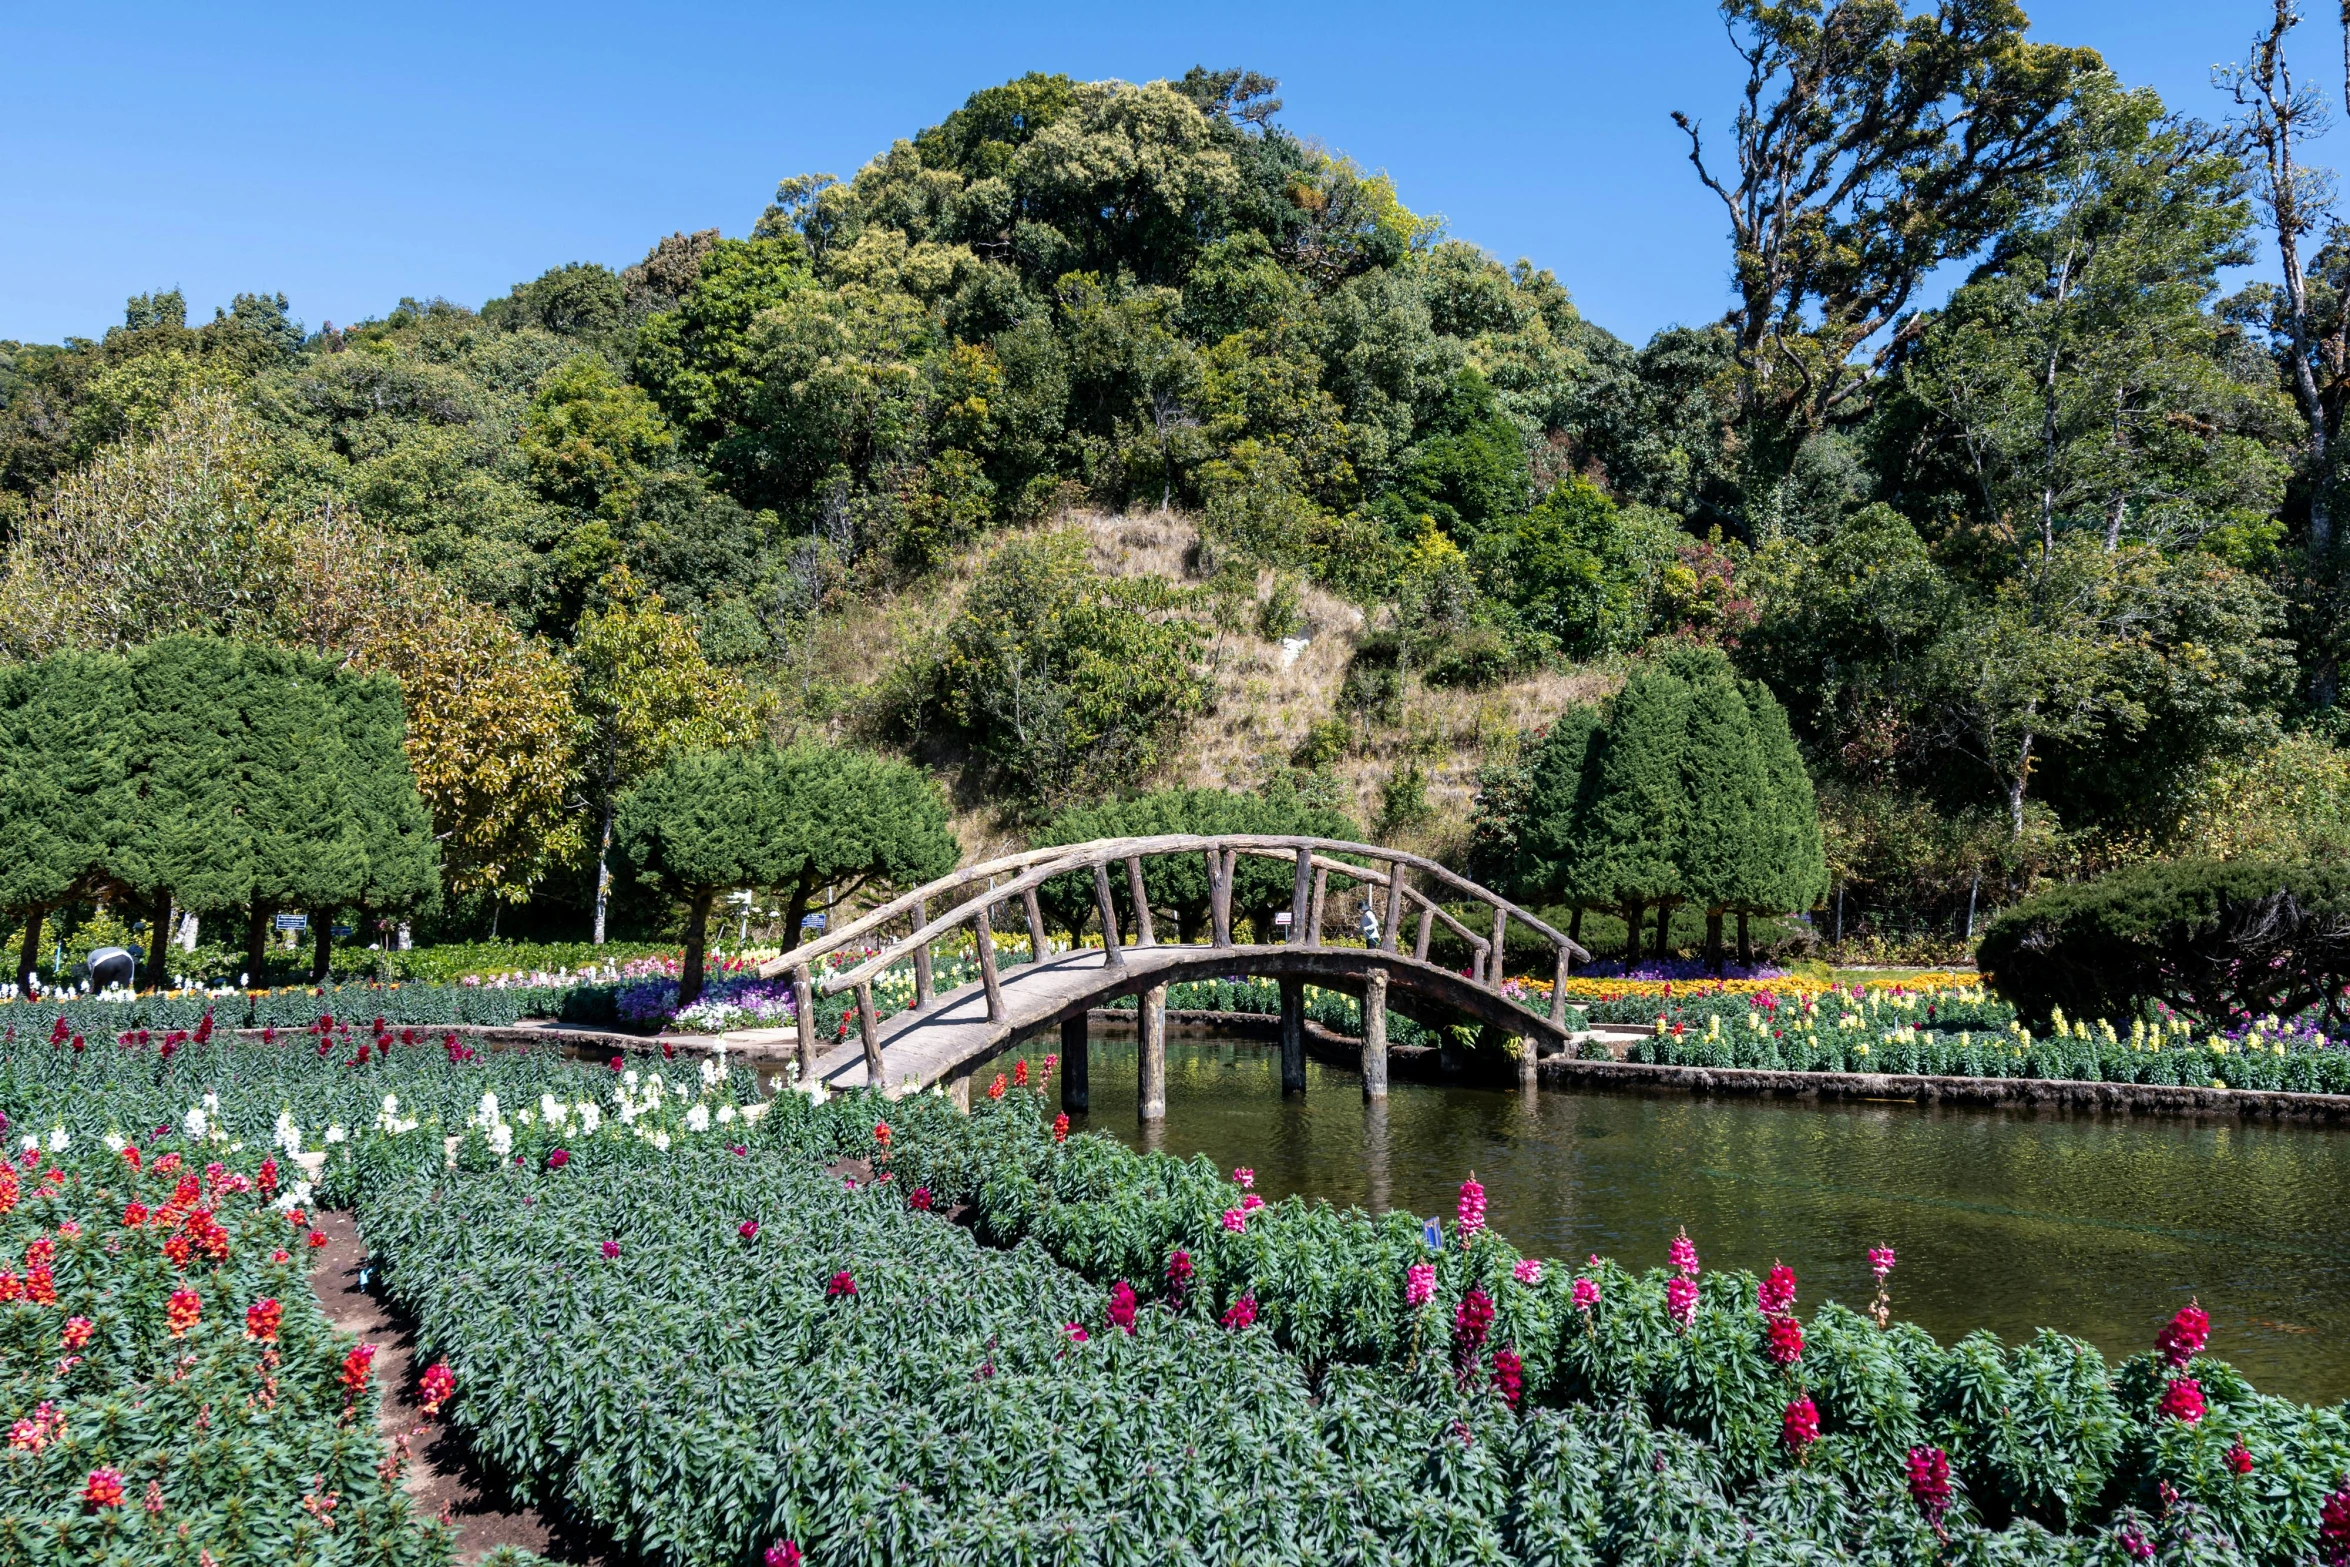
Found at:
<point>1281,918</point>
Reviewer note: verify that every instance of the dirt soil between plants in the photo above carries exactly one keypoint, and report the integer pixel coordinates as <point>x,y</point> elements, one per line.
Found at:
<point>442,1480</point>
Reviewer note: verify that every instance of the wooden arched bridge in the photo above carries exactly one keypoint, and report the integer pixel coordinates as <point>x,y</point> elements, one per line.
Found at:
<point>946,1038</point>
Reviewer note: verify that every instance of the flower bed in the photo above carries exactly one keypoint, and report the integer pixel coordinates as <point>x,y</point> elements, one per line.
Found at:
<point>171,1391</point>
<point>754,1353</point>
<point>498,1005</point>
<point>1958,1034</point>
<point>1147,1363</point>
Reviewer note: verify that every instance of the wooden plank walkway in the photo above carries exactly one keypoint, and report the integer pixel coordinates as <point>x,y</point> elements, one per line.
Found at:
<point>953,1037</point>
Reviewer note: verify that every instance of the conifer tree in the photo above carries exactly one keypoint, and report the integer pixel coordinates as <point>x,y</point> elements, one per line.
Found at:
<point>1724,855</point>
<point>1635,810</point>
<point>60,796</point>
<point>1793,864</point>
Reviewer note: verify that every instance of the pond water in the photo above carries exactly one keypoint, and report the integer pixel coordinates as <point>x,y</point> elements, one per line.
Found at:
<point>2101,1226</point>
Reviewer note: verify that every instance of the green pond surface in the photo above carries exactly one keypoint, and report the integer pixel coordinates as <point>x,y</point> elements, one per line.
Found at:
<point>2100,1226</point>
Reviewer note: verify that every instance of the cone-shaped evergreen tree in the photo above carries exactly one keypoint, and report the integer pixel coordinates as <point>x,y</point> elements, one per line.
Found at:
<point>60,785</point>
<point>1562,775</point>
<point>1628,829</point>
<point>1725,853</point>
<point>1793,865</point>
<point>399,861</point>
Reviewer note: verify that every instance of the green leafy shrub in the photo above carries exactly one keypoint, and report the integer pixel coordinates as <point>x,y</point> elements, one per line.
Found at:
<point>2222,941</point>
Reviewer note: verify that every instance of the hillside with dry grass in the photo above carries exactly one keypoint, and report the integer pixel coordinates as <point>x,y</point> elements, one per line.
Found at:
<point>1269,693</point>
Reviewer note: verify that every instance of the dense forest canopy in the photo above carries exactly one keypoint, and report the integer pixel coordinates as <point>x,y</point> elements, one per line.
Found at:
<point>2043,575</point>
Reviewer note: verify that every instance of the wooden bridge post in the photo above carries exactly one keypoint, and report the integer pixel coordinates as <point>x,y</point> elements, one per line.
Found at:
<point>1076,1068</point>
<point>1300,890</point>
<point>1558,990</point>
<point>1293,1036</point>
<point>1375,1035</point>
<point>1529,1061</point>
<point>1314,909</point>
<point>1219,898</point>
<point>987,971</point>
<point>869,1033</point>
<point>922,971</point>
<point>803,1006</point>
<point>1150,1078</point>
<point>1112,957</point>
<point>1040,945</point>
<point>1391,932</point>
<point>1494,971</point>
<point>1427,929</point>
<point>1144,936</point>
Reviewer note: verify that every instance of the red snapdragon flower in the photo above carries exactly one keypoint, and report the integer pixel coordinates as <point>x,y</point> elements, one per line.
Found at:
<point>1775,1295</point>
<point>182,1311</point>
<point>2239,1458</point>
<point>317,1239</point>
<point>262,1319</point>
<point>1472,1319</point>
<point>558,1158</point>
<point>748,1229</point>
<point>1243,1312</point>
<point>881,1133</point>
<point>267,1178</point>
<point>356,1366</point>
<point>2182,1338</point>
<point>841,1286</point>
<point>783,1553</point>
<point>1122,1305</point>
<point>2183,1401</point>
<point>1019,1074</point>
<point>1509,1376</point>
<point>436,1387</point>
<point>995,1090</point>
<point>77,1332</point>
<point>1786,1340</point>
<point>1929,1480</point>
<point>1061,1127</point>
<point>1799,1423</point>
<point>103,1489</point>
<point>919,1199</point>
<point>611,1249</point>
<point>2333,1528</point>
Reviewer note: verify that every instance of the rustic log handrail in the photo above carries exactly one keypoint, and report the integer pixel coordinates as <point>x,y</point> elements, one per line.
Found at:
<point>982,889</point>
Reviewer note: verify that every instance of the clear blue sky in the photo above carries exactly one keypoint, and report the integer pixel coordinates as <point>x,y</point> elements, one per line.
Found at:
<point>350,155</point>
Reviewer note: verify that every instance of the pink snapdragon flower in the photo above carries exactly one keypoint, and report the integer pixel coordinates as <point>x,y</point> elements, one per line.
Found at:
<point>1528,1270</point>
<point>1419,1284</point>
<point>1471,1208</point>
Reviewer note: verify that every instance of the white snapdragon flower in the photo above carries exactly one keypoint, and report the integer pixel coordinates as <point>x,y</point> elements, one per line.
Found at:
<point>590,1118</point>
<point>114,1142</point>
<point>725,1115</point>
<point>628,1078</point>
<point>294,1196</point>
<point>713,1073</point>
<point>31,1143</point>
<point>661,1141</point>
<point>502,1139</point>
<point>698,1119</point>
<point>335,1133</point>
<point>550,1110</point>
<point>486,1113</point>
<point>58,1139</point>
<point>286,1134</point>
<point>193,1123</point>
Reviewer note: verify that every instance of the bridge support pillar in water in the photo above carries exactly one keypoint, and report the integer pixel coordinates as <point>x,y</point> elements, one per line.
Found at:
<point>1076,1076</point>
<point>1375,1035</point>
<point>1529,1068</point>
<point>1150,1076</point>
<point>1293,1036</point>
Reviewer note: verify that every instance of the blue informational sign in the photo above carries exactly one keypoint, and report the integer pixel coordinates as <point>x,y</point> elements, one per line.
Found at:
<point>1432,1231</point>
<point>811,922</point>
<point>293,922</point>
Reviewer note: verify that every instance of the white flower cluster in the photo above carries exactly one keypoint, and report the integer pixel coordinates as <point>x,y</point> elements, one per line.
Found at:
<point>202,1122</point>
<point>389,1121</point>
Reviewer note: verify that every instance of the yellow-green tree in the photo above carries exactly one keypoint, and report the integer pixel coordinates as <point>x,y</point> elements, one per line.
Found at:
<point>644,690</point>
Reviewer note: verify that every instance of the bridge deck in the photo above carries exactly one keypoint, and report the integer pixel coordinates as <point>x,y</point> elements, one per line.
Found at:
<point>933,1044</point>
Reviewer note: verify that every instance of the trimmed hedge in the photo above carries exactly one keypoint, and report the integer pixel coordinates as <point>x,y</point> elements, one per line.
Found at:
<point>2222,942</point>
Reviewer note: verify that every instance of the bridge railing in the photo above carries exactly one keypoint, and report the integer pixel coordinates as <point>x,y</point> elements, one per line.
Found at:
<point>985,887</point>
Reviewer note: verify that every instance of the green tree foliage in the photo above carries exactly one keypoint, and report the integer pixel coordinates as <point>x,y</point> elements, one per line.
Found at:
<point>752,816</point>
<point>854,820</point>
<point>1067,682</point>
<point>217,776</point>
<point>1687,788</point>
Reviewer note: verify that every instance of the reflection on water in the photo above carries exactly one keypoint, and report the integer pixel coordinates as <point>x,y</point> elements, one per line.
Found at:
<point>2003,1220</point>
